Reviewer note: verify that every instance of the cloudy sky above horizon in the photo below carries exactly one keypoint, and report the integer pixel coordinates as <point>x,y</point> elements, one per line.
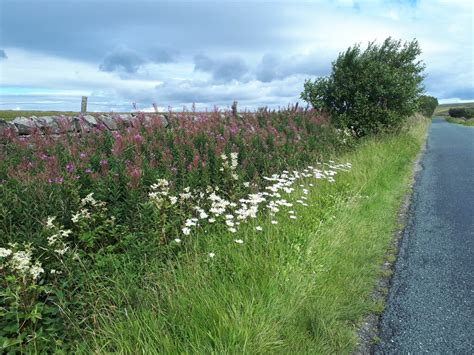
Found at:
<point>176,53</point>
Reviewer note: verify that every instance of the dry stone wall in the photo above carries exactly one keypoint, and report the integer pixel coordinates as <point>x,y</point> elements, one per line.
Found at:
<point>56,125</point>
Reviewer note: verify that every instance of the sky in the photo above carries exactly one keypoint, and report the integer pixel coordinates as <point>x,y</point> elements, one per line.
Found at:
<point>209,53</point>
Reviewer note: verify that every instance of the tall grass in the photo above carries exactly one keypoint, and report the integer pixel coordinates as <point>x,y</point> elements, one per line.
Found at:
<point>299,286</point>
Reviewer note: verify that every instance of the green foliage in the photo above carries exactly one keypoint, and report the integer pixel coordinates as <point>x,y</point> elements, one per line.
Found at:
<point>460,121</point>
<point>372,90</point>
<point>461,112</point>
<point>299,287</point>
<point>427,105</point>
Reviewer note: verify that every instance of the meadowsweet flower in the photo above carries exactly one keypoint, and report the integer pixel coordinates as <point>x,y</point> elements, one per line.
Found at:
<point>232,230</point>
<point>62,251</point>
<point>190,222</point>
<point>21,260</point>
<point>211,220</point>
<point>293,216</point>
<point>186,230</point>
<point>212,255</point>
<point>177,240</point>
<point>52,239</point>
<point>173,199</point>
<point>36,270</point>
<point>49,222</point>
<point>246,184</point>
<point>5,252</point>
<point>274,222</point>
<point>239,241</point>
<point>259,228</point>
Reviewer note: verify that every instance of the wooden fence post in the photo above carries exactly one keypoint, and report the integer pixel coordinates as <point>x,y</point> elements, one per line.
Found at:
<point>84,104</point>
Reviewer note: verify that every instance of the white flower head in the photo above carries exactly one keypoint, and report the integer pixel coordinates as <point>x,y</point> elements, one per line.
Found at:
<point>177,240</point>
<point>21,260</point>
<point>232,229</point>
<point>239,241</point>
<point>186,230</point>
<point>173,199</point>
<point>49,222</point>
<point>274,222</point>
<point>36,270</point>
<point>259,228</point>
<point>212,255</point>
<point>5,252</point>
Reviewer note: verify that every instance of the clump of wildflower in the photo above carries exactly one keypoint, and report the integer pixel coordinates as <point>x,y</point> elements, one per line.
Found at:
<point>20,261</point>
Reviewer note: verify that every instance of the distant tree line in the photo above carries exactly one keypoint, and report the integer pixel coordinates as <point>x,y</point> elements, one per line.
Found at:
<point>461,112</point>
<point>372,90</point>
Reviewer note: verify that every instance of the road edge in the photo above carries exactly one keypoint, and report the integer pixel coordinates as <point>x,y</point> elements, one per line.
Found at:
<point>368,329</point>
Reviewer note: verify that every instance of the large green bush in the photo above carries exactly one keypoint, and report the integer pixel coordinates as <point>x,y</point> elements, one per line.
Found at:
<point>461,112</point>
<point>371,90</point>
<point>427,105</point>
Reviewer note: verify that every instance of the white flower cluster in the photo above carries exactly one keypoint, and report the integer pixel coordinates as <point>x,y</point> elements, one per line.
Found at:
<point>87,203</point>
<point>20,261</point>
<point>233,214</point>
<point>160,193</point>
<point>231,165</point>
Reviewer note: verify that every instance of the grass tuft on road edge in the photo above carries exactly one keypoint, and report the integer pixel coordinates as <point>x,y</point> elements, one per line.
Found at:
<point>301,286</point>
<point>460,121</point>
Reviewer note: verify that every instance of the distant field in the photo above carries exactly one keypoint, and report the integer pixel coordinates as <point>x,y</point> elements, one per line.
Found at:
<point>11,114</point>
<point>442,110</point>
<point>8,115</point>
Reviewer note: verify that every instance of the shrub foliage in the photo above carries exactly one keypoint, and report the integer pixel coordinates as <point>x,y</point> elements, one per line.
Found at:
<point>427,105</point>
<point>461,112</point>
<point>372,90</point>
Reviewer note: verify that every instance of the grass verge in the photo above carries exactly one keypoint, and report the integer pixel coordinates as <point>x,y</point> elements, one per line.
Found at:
<point>299,286</point>
<point>460,121</point>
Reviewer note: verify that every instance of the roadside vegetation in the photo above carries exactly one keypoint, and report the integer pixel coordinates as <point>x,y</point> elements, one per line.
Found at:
<point>443,109</point>
<point>462,121</point>
<point>243,233</point>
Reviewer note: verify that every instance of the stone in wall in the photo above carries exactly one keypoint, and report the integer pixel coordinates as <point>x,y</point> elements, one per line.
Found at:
<point>48,124</point>
<point>25,126</point>
<point>108,122</point>
<point>7,129</point>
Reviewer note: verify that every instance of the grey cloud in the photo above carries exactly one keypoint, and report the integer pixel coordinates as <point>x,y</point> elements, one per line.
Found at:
<point>3,55</point>
<point>87,30</point>
<point>223,69</point>
<point>122,60</point>
<point>161,55</point>
<point>273,67</point>
<point>268,69</point>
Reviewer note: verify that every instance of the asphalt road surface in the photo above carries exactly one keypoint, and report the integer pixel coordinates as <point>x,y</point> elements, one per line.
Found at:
<point>430,307</point>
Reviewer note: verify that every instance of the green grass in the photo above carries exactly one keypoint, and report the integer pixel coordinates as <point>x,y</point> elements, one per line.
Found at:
<point>442,110</point>
<point>8,115</point>
<point>460,121</point>
<point>12,114</point>
<point>301,286</point>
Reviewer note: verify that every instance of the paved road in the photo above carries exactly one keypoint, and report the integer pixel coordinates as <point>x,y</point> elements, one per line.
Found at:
<point>430,306</point>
